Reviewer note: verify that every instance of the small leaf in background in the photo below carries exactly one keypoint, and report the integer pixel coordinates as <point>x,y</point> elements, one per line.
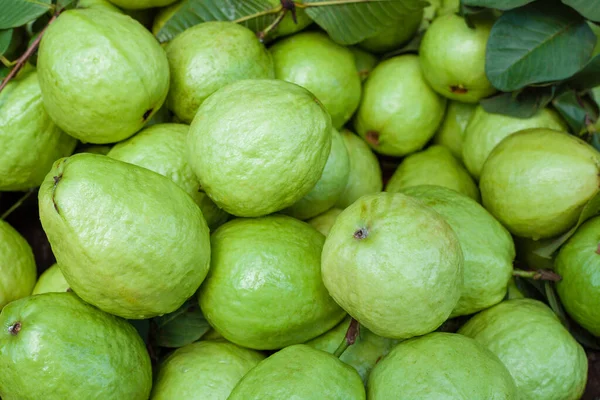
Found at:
<point>588,77</point>
<point>523,104</point>
<point>66,4</point>
<point>181,327</point>
<point>588,8</point>
<point>18,12</point>
<point>537,43</point>
<point>5,39</point>
<point>497,4</point>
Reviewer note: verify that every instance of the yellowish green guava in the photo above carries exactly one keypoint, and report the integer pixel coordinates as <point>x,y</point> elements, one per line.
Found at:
<point>398,283</point>
<point>394,36</point>
<point>452,130</point>
<point>141,4</point>
<point>399,112</point>
<point>253,161</point>
<point>163,15</point>
<point>17,265</point>
<point>128,240</point>
<point>325,221</point>
<point>51,280</point>
<point>267,271</point>
<point>121,79</point>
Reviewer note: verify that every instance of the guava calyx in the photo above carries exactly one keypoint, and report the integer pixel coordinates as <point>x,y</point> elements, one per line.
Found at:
<point>15,328</point>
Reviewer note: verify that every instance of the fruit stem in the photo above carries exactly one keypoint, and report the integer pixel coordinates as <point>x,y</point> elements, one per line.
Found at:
<point>16,205</point>
<point>349,339</point>
<point>540,274</point>
<point>262,34</point>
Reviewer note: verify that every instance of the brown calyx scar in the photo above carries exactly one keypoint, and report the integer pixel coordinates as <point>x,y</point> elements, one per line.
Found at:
<point>15,328</point>
<point>458,89</point>
<point>361,233</point>
<point>373,137</point>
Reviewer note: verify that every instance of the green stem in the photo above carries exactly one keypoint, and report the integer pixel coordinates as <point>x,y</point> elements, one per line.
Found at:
<point>349,339</point>
<point>262,34</point>
<point>7,63</point>
<point>540,274</point>
<point>260,14</point>
<point>16,205</point>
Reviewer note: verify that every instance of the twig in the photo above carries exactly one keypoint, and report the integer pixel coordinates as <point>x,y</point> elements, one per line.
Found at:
<point>540,274</point>
<point>17,204</point>
<point>262,34</point>
<point>349,338</point>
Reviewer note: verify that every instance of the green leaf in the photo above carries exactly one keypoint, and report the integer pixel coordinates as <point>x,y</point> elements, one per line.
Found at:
<point>537,43</point>
<point>588,77</point>
<point>497,4</point>
<point>522,104</point>
<point>588,8</point>
<point>3,71</point>
<point>577,110</point>
<point>5,39</point>
<point>18,12</point>
<point>65,4</point>
<point>181,327</point>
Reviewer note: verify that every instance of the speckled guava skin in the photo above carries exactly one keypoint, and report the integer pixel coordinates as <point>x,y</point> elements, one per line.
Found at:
<point>17,265</point>
<point>121,79</point>
<point>452,130</point>
<point>127,239</point>
<point>55,346</point>
<point>394,36</point>
<point>51,280</point>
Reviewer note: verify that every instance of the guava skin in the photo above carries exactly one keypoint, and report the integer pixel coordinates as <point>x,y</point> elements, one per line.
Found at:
<point>537,181</point>
<point>397,283</point>
<point>29,139</point>
<point>264,289</point>
<point>55,346</point>
<point>300,372</point>
<point>364,61</point>
<point>325,221</point>
<point>399,112</point>
<point>249,167</point>
<point>51,280</point>
<point>121,79</point>
<point>485,130</point>
<point>203,370</point>
<point>452,130</point>
<point>578,263</point>
<point>487,247</point>
<point>541,355</point>
<point>434,166</point>
<point>395,35</point>
<point>17,265</point>
<point>208,56</point>
<point>127,239</point>
<point>441,366</point>
<point>453,58</point>
<point>141,4</point>
<point>325,68</point>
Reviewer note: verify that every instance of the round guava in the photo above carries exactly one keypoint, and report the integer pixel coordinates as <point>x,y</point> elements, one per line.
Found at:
<point>394,36</point>
<point>51,280</point>
<point>325,221</point>
<point>452,130</point>
<point>17,265</point>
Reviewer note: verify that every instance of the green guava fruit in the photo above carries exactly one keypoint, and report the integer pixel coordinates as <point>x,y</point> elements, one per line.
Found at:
<point>541,355</point>
<point>30,140</point>
<point>141,4</point>
<point>362,355</point>
<point>162,149</point>
<point>208,56</point>
<point>394,36</point>
<point>327,69</point>
<point>267,273</point>
<point>438,8</point>
<point>325,221</point>
<point>51,280</point>
<point>330,186</point>
<point>452,130</point>
<point>527,253</point>
<point>55,346</point>
<point>537,181</point>
<point>17,265</point>
<point>441,366</point>
<point>578,263</point>
<point>287,26</point>
<point>453,57</point>
<point>300,372</point>
<point>434,166</point>
<point>485,130</point>
<point>99,4</point>
<point>364,62</point>
<point>163,15</point>
<point>398,283</point>
<point>203,370</point>
<point>399,112</point>
<point>121,79</point>
<point>365,172</point>
<point>253,161</point>
<point>487,247</point>
<point>128,240</point>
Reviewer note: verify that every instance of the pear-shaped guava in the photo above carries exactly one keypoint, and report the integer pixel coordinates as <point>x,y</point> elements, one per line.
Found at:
<point>395,35</point>
<point>325,221</point>
<point>141,4</point>
<point>452,130</point>
<point>327,69</point>
<point>264,289</point>
<point>537,181</point>
<point>127,239</point>
<point>541,355</point>
<point>399,283</point>
<point>253,161</point>
<point>399,112</point>
<point>51,280</point>
<point>17,265</point>
<point>55,346</point>
<point>364,61</point>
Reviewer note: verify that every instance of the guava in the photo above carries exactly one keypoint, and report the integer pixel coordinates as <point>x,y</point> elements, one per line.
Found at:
<point>485,130</point>
<point>121,79</point>
<point>364,62</point>
<point>55,346</point>
<point>399,112</point>
<point>141,4</point>
<point>327,69</point>
<point>527,253</point>
<point>99,4</point>
<point>128,240</point>
<point>325,221</point>
<point>438,8</point>
<point>207,57</point>
<point>433,166</point>
<point>452,130</point>
<point>330,186</point>
<point>203,370</point>
<point>453,57</point>
<point>537,181</point>
<point>365,172</point>
<point>162,149</point>
<point>441,366</point>
<point>300,372</point>
<point>578,263</point>
<point>394,36</point>
<point>253,161</point>
<point>267,272</point>
<point>362,355</point>
<point>30,140</point>
<point>287,26</point>
<point>17,265</point>
<point>541,355</point>
<point>398,283</point>
<point>487,247</point>
<point>51,280</point>
<point>163,15</point>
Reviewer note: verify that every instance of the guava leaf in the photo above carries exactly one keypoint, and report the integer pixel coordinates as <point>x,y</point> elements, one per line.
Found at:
<point>576,110</point>
<point>497,4</point>
<point>588,77</point>
<point>18,12</point>
<point>181,327</point>
<point>5,39</point>
<point>540,42</point>
<point>588,8</point>
<point>523,104</point>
